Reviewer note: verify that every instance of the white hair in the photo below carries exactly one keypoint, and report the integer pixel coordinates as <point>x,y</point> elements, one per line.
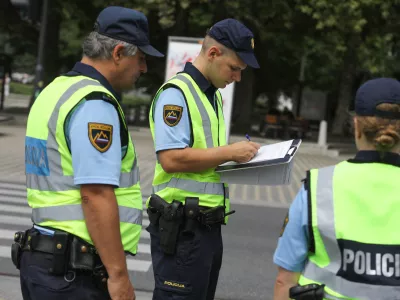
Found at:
<point>98,46</point>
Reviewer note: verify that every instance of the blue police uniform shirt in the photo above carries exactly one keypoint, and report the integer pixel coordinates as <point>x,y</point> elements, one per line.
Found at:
<point>90,165</point>
<point>178,136</point>
<point>292,250</point>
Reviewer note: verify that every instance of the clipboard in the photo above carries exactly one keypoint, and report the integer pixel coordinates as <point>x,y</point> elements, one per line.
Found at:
<point>261,172</point>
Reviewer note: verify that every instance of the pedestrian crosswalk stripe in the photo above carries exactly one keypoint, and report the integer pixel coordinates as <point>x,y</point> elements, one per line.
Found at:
<point>14,193</point>
<point>132,263</point>
<point>15,208</point>
<point>9,186</point>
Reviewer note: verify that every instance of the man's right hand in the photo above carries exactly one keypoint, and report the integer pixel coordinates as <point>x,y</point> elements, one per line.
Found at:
<point>242,152</point>
<point>121,288</point>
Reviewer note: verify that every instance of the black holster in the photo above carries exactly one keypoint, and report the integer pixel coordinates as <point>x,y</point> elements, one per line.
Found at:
<point>16,248</point>
<point>169,226</point>
<point>168,217</point>
<point>307,292</point>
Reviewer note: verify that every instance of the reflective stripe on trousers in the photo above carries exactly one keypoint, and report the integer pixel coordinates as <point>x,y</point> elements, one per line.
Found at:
<point>208,188</point>
<point>326,226</point>
<point>73,212</point>
<point>57,181</point>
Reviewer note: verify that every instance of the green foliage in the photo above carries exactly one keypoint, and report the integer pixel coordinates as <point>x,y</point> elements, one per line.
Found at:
<point>20,88</point>
<point>327,33</point>
<point>369,26</point>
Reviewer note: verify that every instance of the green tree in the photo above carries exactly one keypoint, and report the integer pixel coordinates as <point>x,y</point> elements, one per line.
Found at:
<point>364,32</point>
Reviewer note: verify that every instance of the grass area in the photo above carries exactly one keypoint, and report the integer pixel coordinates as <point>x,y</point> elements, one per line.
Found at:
<point>20,88</point>
<point>27,89</point>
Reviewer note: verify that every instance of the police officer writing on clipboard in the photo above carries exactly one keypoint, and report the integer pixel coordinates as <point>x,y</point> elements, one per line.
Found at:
<point>190,202</point>
<point>341,239</point>
<point>82,172</point>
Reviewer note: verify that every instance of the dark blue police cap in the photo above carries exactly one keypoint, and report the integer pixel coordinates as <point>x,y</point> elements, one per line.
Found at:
<point>234,35</point>
<point>377,91</point>
<point>126,25</point>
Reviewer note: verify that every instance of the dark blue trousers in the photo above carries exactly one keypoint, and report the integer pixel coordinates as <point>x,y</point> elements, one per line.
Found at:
<point>38,284</point>
<point>192,272</point>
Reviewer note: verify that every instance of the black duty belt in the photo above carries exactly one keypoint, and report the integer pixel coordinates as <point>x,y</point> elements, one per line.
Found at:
<point>173,218</point>
<point>206,216</point>
<point>69,251</point>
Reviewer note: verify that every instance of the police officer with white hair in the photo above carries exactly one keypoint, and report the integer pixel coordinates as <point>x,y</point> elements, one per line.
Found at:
<point>341,237</point>
<point>82,171</point>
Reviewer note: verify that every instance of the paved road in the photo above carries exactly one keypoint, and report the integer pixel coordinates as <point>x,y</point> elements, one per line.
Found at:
<point>249,241</point>
<point>12,168</point>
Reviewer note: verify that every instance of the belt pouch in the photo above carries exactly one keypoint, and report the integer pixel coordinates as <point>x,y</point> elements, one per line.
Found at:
<point>81,255</point>
<point>60,247</point>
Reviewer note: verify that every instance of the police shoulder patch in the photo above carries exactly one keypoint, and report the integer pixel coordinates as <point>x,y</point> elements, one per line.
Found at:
<point>100,136</point>
<point>172,114</point>
<point>284,224</point>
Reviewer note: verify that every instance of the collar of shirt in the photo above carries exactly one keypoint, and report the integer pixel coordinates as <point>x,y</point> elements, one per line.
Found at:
<point>89,71</point>
<point>205,86</point>
<point>375,156</point>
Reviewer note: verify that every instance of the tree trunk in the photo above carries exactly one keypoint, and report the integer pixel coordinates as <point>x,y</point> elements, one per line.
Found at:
<point>181,20</point>
<point>51,56</point>
<point>243,103</point>
<point>345,91</point>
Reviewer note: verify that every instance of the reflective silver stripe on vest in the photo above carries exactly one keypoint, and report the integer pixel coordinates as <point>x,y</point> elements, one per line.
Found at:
<point>57,181</point>
<point>203,112</point>
<point>130,178</point>
<point>210,188</point>
<point>74,212</point>
<point>326,226</point>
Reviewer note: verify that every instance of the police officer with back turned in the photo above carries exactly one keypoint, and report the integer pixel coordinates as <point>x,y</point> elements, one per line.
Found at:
<point>190,202</point>
<point>82,172</point>
<point>341,237</point>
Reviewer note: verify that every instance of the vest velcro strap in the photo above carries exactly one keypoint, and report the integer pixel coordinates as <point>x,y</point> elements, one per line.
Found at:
<point>74,212</point>
<point>210,188</point>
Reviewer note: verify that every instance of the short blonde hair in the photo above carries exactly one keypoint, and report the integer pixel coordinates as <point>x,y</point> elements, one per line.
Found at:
<point>209,42</point>
<point>383,133</point>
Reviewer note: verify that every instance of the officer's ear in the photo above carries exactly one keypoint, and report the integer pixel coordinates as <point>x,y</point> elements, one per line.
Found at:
<point>118,53</point>
<point>357,129</point>
<point>213,52</point>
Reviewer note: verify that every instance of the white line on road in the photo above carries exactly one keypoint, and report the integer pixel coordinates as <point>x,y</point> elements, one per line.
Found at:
<point>138,265</point>
<point>8,185</point>
<point>133,263</point>
<point>13,200</point>
<point>257,191</point>
<point>18,193</point>
<point>15,208</point>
